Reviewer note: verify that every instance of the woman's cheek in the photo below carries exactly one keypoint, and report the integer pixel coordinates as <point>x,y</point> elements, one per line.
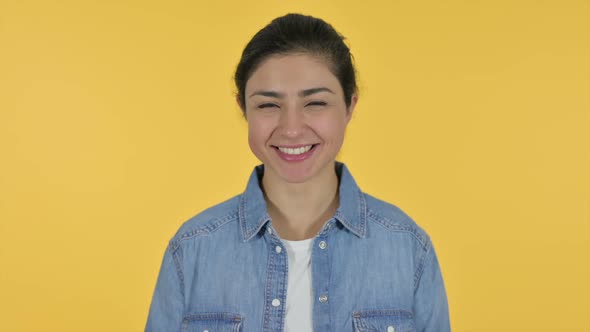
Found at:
<point>332,129</point>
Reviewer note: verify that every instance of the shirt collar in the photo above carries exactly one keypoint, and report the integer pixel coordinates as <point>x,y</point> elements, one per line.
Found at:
<point>352,211</point>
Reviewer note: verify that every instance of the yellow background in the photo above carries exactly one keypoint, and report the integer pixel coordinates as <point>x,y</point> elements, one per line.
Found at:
<point>118,123</point>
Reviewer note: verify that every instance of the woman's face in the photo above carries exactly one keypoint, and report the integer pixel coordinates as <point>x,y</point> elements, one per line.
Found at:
<point>296,116</point>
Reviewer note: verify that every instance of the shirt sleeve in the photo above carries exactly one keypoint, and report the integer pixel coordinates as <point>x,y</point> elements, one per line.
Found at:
<point>166,309</point>
<point>430,303</point>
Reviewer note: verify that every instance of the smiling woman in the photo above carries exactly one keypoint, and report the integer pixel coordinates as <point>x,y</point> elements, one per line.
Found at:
<point>303,248</point>
<point>297,130</point>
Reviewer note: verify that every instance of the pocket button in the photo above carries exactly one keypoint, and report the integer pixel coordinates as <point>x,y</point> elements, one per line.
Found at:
<point>390,329</point>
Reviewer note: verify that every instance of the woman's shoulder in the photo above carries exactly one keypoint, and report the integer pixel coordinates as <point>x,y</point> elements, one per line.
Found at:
<point>209,220</point>
<point>394,219</point>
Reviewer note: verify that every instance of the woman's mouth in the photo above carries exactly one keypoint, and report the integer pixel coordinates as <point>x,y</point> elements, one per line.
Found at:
<point>297,153</point>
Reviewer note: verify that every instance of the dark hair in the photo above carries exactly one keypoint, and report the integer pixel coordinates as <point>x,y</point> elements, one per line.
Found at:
<point>296,33</point>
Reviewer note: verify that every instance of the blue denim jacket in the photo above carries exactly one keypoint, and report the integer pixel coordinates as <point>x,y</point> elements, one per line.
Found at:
<point>373,269</point>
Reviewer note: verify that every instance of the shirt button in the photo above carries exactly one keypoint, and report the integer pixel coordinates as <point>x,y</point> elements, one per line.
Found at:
<point>390,329</point>
<point>208,331</point>
<point>323,244</point>
<point>278,249</point>
<point>276,302</point>
<point>269,230</point>
<point>324,298</point>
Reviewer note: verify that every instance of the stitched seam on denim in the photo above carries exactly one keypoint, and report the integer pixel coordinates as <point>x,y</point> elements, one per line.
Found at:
<point>248,232</point>
<point>267,295</point>
<point>283,289</point>
<point>257,228</point>
<point>343,221</point>
<point>242,217</point>
<point>223,316</point>
<point>400,228</point>
<point>207,229</point>
<point>363,207</point>
<point>381,313</point>
<point>330,276</point>
<point>362,229</point>
<point>174,252</point>
<point>421,266</point>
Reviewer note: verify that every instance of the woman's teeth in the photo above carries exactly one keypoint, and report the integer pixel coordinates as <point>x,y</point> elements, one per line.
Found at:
<point>295,151</point>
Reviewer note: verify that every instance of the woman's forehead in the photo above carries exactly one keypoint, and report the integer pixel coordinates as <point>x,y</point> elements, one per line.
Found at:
<point>292,73</point>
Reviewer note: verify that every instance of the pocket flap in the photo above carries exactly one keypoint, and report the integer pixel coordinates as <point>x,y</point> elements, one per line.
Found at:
<point>212,322</point>
<point>383,321</point>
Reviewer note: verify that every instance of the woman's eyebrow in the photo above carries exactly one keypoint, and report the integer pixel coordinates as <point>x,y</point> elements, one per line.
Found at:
<point>302,93</point>
<point>273,94</point>
<point>308,92</point>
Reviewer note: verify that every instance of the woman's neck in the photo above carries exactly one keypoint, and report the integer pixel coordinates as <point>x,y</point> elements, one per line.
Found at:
<point>299,210</point>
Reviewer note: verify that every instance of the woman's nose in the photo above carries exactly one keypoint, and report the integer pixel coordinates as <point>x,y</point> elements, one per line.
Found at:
<point>292,123</point>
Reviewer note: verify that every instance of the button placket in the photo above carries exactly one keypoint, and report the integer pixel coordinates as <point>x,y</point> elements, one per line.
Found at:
<point>321,270</point>
<point>276,284</point>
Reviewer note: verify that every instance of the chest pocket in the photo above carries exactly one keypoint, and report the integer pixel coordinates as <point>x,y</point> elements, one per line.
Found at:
<point>383,321</point>
<point>212,322</point>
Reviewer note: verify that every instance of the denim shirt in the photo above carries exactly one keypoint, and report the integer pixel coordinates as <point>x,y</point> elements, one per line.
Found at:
<point>372,267</point>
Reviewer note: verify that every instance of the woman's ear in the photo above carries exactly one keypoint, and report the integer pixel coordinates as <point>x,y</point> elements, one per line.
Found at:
<point>353,100</point>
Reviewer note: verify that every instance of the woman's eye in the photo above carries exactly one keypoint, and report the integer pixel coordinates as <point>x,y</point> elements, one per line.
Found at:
<point>316,103</point>
<point>267,105</point>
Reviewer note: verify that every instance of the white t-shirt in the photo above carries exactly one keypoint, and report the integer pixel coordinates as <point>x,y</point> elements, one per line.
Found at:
<point>299,292</point>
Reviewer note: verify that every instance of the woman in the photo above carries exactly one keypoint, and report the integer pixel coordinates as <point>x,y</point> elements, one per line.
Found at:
<point>302,249</point>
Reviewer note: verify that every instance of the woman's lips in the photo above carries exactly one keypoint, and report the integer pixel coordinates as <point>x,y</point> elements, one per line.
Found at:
<point>295,153</point>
